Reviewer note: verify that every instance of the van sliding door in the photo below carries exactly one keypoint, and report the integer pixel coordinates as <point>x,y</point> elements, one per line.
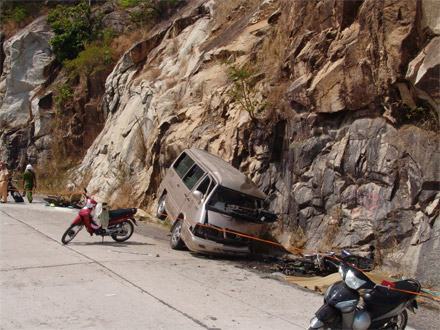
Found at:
<point>175,197</point>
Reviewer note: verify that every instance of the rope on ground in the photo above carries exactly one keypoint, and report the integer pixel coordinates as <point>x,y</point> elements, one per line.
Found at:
<point>425,292</point>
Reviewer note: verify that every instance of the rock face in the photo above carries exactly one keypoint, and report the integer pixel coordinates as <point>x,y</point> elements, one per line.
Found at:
<point>28,85</point>
<point>341,170</point>
<point>327,133</point>
<point>26,68</point>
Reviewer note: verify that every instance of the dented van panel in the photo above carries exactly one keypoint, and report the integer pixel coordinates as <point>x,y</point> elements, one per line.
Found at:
<point>228,222</point>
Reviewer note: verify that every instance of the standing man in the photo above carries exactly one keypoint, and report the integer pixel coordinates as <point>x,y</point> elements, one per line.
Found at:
<point>4,177</point>
<point>29,182</point>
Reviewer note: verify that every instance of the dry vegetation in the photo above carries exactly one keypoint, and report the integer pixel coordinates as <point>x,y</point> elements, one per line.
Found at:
<point>15,15</point>
<point>124,42</point>
<point>298,239</point>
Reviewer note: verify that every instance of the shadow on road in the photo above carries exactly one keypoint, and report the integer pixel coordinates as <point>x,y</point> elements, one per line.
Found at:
<point>109,243</point>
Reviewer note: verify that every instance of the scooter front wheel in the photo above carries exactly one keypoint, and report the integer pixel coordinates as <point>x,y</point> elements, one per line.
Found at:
<point>400,321</point>
<point>70,233</point>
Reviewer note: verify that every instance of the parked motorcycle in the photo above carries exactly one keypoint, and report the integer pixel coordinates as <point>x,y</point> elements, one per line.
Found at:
<point>120,226</point>
<point>358,303</point>
<point>15,194</point>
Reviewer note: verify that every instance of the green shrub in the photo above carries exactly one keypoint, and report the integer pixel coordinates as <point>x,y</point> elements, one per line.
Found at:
<point>16,11</point>
<point>18,14</point>
<point>150,11</point>
<point>73,27</point>
<point>63,95</point>
<point>107,36</point>
<point>92,59</point>
<point>243,90</point>
<point>128,3</point>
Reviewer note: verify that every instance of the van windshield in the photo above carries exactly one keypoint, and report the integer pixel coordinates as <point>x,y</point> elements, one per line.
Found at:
<point>225,200</point>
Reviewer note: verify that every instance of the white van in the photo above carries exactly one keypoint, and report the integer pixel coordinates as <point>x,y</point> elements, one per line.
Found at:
<point>208,201</point>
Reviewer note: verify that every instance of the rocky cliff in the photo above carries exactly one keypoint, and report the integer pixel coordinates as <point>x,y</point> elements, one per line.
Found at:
<point>26,65</point>
<point>329,106</point>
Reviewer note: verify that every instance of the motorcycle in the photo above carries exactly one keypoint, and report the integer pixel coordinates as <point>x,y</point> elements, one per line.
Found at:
<point>358,303</point>
<point>75,200</point>
<point>15,194</point>
<point>120,226</point>
<point>327,263</point>
<point>323,264</point>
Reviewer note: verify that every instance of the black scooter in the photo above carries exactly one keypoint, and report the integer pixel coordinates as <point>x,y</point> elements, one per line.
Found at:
<point>358,303</point>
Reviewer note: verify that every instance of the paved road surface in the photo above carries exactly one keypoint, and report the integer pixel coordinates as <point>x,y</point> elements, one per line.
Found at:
<point>139,284</point>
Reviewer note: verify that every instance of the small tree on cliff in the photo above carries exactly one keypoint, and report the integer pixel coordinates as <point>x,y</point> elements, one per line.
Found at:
<point>73,27</point>
<point>243,90</point>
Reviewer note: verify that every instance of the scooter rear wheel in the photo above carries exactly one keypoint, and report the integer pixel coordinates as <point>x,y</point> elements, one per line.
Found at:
<point>70,233</point>
<point>127,228</point>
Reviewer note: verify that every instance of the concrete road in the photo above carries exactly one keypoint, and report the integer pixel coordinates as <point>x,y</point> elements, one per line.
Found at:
<point>139,284</point>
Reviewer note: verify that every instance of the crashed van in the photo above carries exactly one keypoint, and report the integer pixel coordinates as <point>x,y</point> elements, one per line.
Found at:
<point>214,208</point>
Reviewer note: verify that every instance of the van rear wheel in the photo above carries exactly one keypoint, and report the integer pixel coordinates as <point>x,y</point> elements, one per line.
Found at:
<point>176,241</point>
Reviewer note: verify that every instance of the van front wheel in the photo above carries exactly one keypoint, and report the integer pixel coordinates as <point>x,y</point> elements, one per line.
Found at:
<point>176,241</point>
<point>160,211</point>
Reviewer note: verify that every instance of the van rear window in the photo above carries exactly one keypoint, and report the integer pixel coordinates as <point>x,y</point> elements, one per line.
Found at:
<point>183,164</point>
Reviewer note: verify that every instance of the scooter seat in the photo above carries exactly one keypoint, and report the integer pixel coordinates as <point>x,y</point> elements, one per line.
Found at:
<point>408,285</point>
<point>121,212</point>
<point>383,299</point>
<point>387,296</point>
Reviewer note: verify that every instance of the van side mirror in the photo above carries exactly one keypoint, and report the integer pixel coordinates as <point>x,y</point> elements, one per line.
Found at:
<point>269,199</point>
<point>198,196</point>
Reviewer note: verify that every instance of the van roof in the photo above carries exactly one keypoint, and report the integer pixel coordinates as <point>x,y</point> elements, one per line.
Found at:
<point>225,174</point>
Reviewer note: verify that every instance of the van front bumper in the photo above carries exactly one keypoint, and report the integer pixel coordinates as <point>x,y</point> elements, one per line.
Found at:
<point>201,245</point>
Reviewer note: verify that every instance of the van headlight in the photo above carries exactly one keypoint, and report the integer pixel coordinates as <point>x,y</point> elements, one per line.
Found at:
<point>352,281</point>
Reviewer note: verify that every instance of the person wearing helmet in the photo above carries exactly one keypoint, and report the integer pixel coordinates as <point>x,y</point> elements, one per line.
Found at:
<point>29,182</point>
<point>87,214</point>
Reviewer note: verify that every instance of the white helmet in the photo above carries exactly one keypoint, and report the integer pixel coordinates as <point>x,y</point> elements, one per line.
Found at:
<point>91,203</point>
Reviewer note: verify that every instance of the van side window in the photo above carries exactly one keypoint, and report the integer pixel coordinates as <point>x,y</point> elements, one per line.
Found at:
<point>183,164</point>
<point>205,186</point>
<point>193,175</point>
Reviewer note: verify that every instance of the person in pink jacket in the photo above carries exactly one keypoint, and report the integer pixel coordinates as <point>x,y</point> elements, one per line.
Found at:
<point>4,177</point>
